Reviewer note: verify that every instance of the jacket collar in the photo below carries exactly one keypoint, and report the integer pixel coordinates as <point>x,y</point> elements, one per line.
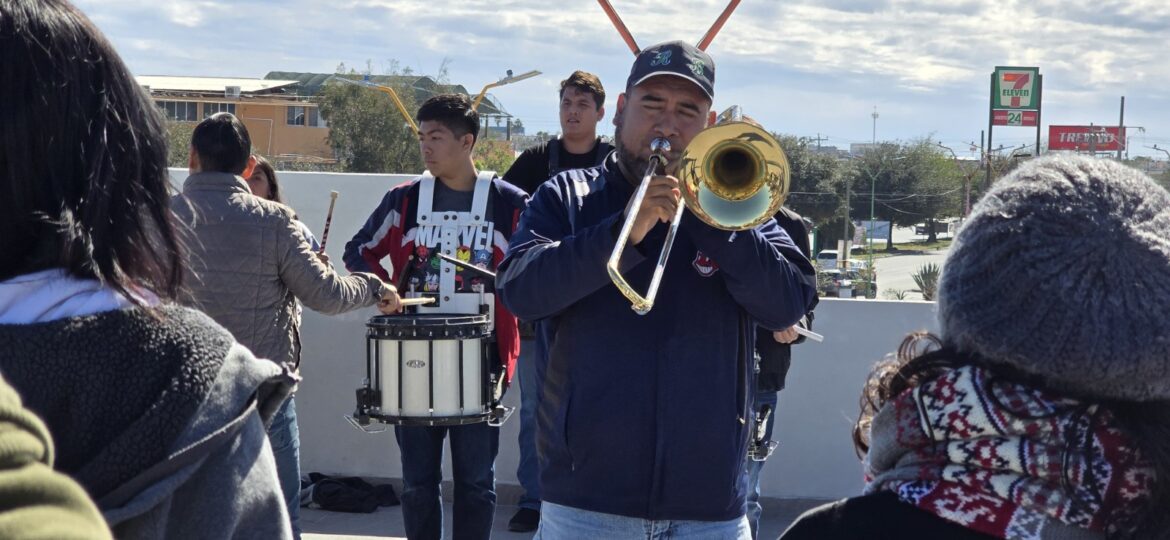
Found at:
<point>216,181</point>
<point>614,176</point>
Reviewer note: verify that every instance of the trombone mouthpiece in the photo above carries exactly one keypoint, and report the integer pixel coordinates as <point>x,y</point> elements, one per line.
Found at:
<point>659,146</point>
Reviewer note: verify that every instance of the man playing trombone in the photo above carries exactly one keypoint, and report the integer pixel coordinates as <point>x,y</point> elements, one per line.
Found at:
<point>644,419</point>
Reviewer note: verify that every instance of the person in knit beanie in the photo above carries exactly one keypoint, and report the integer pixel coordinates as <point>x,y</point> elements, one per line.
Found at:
<point>1043,409</point>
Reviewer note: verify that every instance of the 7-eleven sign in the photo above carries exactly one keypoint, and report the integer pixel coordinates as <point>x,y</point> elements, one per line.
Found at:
<point>1016,88</point>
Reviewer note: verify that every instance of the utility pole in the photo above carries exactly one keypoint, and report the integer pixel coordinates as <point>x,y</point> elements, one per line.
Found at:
<point>1121,130</point>
<point>818,139</point>
<point>875,117</point>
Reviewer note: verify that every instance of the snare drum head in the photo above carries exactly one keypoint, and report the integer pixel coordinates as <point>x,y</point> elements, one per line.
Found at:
<point>429,326</point>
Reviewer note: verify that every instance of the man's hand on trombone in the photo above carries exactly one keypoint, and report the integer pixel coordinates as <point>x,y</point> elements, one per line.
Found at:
<point>659,205</point>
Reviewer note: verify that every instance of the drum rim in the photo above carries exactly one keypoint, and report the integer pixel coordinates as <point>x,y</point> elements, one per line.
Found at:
<point>427,420</point>
<point>432,319</point>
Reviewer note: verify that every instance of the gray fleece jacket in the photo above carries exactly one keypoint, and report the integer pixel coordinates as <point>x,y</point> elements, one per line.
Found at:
<point>160,416</point>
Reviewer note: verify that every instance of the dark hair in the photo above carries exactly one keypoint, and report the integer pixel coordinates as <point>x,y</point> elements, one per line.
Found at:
<point>923,357</point>
<point>454,112</point>
<point>222,143</point>
<point>585,82</point>
<point>83,157</point>
<point>263,165</point>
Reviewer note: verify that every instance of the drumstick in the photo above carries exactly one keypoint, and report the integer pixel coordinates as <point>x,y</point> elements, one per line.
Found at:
<point>620,26</point>
<point>809,334</point>
<point>328,220</point>
<point>715,28</point>
<point>416,301</point>
<point>466,265</point>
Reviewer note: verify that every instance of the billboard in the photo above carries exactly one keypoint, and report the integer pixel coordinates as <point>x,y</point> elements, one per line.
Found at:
<point>1016,88</point>
<point>1086,138</point>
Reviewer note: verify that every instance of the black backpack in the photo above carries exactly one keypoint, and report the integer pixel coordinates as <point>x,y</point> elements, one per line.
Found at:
<point>347,494</point>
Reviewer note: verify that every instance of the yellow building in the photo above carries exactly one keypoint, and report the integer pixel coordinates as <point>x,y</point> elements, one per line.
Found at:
<point>282,124</point>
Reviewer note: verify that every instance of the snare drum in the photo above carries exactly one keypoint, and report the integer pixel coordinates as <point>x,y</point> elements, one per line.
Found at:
<point>428,369</point>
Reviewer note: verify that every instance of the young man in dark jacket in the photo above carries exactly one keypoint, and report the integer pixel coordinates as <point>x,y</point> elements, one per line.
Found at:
<point>483,212</point>
<point>582,107</point>
<point>644,420</point>
<point>774,354</point>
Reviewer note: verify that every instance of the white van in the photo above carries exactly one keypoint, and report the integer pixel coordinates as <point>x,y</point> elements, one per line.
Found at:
<point>827,258</point>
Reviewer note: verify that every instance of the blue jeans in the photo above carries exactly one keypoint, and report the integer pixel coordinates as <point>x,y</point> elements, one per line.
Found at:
<point>528,471</point>
<point>473,456</point>
<point>753,467</point>
<point>285,438</point>
<point>565,523</point>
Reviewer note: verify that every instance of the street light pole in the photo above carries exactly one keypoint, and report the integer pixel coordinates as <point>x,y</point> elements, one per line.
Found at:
<point>872,192</point>
<point>966,180</point>
<point>1163,150</point>
<point>841,257</point>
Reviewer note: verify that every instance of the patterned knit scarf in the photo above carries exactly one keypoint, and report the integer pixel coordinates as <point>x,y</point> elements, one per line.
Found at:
<point>1006,460</point>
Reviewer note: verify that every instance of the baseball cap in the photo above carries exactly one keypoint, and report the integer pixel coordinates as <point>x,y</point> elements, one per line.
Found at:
<point>676,58</point>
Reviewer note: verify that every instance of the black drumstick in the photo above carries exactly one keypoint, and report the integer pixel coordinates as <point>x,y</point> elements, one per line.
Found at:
<point>467,265</point>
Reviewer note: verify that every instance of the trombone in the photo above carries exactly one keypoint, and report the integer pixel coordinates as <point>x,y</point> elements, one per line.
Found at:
<point>733,176</point>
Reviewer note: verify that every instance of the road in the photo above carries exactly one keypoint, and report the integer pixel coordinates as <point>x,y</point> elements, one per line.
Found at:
<point>896,272</point>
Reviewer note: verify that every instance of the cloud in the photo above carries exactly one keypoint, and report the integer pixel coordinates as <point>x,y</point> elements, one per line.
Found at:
<point>926,62</point>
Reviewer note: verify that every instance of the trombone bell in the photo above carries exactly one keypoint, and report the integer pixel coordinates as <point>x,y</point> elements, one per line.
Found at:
<point>734,176</point>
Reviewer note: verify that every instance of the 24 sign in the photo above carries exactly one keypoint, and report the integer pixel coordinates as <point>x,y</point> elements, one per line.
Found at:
<point>1014,118</point>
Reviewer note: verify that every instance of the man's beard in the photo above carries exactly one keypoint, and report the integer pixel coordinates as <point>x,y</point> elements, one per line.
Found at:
<point>634,164</point>
<point>629,159</point>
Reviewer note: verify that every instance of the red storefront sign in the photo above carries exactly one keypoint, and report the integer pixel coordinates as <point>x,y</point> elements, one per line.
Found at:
<point>1086,138</point>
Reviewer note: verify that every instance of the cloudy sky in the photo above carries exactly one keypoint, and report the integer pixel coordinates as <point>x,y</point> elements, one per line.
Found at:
<point>805,67</point>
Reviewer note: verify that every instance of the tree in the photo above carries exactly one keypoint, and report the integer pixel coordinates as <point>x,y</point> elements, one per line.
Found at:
<point>493,155</point>
<point>815,180</point>
<point>911,183</point>
<point>366,129</point>
<point>178,142</point>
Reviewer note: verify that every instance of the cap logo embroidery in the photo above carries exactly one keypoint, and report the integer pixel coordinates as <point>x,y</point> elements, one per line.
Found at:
<point>697,67</point>
<point>661,58</point>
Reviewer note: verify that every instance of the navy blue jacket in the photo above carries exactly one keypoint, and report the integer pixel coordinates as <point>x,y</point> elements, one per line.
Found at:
<point>645,416</point>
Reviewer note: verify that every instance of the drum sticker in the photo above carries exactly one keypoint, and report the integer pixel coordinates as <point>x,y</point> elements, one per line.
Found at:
<point>704,265</point>
<point>475,243</point>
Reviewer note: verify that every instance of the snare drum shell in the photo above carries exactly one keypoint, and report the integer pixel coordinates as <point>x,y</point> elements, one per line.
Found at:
<point>432,378</point>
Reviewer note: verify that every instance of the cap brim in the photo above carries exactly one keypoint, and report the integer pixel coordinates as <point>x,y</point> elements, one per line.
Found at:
<point>679,75</point>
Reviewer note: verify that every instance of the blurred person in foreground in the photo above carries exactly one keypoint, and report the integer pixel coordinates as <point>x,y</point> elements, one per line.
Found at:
<point>1042,411</point>
<point>154,408</point>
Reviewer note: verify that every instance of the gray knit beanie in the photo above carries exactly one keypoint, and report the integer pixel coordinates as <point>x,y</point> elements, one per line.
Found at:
<point>1063,271</point>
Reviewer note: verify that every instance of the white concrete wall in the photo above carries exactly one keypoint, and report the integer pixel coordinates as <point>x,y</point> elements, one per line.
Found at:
<point>815,458</point>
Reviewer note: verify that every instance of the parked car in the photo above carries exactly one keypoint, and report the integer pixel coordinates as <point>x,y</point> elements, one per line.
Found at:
<point>830,281</point>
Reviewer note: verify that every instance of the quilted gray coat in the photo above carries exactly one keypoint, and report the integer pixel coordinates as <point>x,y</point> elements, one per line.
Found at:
<point>250,262</point>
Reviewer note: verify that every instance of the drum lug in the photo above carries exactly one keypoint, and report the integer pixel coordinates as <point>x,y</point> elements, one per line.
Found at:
<point>499,415</point>
<point>367,398</point>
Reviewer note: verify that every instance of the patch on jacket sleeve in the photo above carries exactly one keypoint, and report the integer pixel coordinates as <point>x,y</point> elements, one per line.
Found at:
<point>704,265</point>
